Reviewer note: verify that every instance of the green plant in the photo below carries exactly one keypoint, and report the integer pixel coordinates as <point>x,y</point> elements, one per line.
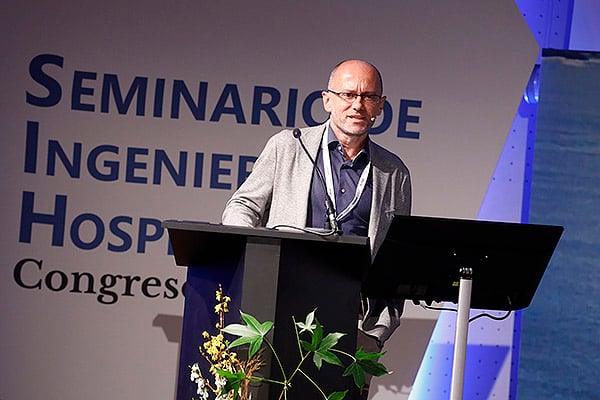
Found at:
<point>232,375</point>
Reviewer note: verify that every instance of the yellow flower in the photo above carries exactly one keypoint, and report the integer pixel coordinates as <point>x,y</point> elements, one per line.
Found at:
<point>219,293</point>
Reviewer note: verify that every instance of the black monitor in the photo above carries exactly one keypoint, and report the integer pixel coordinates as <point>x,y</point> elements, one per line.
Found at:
<point>421,259</point>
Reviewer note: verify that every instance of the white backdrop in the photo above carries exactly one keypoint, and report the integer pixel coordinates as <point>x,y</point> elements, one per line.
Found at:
<point>461,67</point>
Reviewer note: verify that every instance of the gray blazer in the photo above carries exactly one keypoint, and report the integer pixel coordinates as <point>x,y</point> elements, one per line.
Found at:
<point>277,190</point>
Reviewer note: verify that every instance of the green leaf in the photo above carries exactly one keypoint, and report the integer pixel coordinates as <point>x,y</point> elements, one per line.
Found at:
<point>306,346</point>
<point>327,356</point>
<point>230,376</point>
<point>255,343</point>
<point>261,328</point>
<point>254,346</point>
<point>365,363</point>
<point>357,374</point>
<point>368,362</point>
<point>362,355</point>
<point>239,330</point>
<point>317,336</point>
<point>337,395</point>
<point>322,352</point>
<point>307,325</point>
<point>373,367</point>
<point>252,333</point>
<point>331,340</point>
<point>234,382</point>
<point>243,340</point>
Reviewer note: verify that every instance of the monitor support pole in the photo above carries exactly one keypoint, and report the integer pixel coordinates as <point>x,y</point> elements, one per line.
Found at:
<point>462,330</point>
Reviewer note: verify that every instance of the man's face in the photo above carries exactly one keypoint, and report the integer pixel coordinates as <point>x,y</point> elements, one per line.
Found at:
<point>353,117</point>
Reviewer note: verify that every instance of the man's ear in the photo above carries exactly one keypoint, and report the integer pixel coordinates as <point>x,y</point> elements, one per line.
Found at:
<point>381,105</point>
<point>326,101</point>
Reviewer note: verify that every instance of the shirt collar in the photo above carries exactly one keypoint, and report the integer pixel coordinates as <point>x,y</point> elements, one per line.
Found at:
<point>333,142</point>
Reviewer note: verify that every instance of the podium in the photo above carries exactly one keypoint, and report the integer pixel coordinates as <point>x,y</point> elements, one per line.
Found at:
<point>475,264</point>
<point>273,275</point>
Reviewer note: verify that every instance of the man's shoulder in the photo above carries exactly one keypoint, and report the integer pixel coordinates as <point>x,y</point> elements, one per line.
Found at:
<point>384,158</point>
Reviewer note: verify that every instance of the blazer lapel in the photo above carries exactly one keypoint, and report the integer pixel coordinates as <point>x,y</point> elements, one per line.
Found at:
<point>379,205</point>
<point>311,138</point>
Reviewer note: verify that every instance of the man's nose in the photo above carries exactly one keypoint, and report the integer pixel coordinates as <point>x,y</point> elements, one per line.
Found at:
<point>358,102</point>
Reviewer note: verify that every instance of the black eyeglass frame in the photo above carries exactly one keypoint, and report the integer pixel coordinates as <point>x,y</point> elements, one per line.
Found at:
<point>350,97</point>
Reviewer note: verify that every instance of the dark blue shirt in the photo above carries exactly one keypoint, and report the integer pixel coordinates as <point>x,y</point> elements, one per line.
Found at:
<point>346,174</point>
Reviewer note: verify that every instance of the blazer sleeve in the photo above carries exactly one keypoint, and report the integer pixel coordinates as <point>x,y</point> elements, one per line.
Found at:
<point>249,205</point>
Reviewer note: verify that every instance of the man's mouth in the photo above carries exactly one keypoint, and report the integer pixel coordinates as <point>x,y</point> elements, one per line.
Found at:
<point>357,117</point>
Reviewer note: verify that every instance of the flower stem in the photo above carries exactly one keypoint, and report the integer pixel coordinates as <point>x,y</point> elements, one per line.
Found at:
<point>314,384</point>
<point>278,361</point>
<point>344,353</point>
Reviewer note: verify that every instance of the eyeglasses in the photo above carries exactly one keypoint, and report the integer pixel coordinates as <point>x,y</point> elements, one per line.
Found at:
<point>350,97</point>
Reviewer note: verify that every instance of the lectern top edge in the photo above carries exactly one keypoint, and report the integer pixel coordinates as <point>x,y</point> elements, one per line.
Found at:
<point>260,232</point>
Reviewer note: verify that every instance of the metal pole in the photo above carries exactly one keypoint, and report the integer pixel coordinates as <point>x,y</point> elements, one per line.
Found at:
<point>462,330</point>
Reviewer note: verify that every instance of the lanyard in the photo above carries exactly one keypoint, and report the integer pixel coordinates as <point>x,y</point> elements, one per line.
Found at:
<point>360,188</point>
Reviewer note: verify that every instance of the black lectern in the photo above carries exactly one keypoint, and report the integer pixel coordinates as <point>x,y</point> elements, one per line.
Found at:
<point>476,264</point>
<point>272,275</point>
<point>275,275</point>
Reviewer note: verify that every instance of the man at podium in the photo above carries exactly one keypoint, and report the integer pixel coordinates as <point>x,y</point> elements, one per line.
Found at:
<point>333,176</point>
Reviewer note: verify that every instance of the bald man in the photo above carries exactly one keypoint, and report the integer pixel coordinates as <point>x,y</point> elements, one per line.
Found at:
<point>366,183</point>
